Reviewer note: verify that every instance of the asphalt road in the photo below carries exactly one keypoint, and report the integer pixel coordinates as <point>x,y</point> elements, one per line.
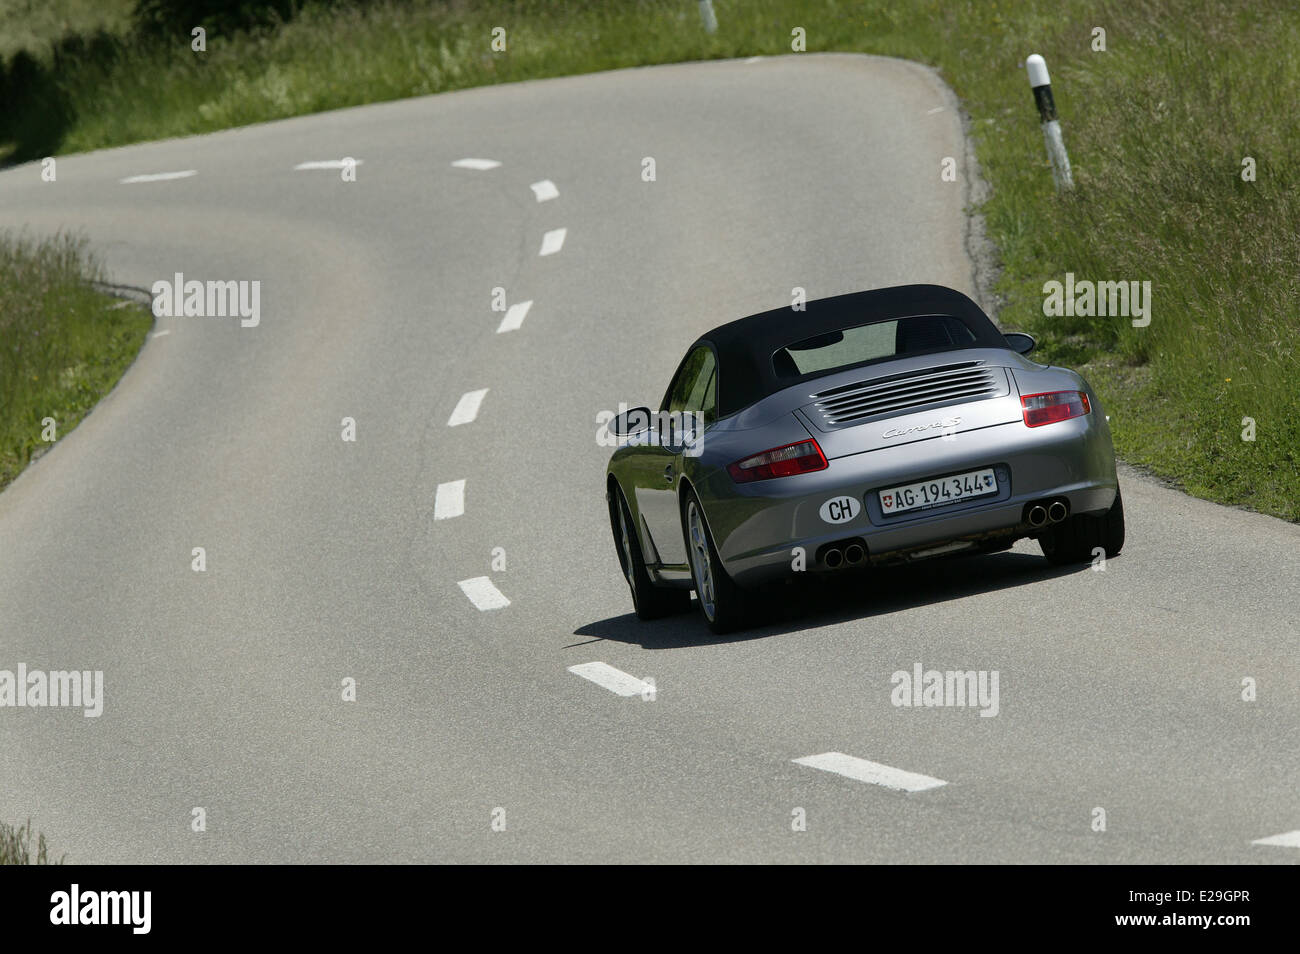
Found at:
<point>1119,690</point>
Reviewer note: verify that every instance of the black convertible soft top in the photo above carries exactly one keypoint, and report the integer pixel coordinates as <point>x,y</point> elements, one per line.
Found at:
<point>745,346</point>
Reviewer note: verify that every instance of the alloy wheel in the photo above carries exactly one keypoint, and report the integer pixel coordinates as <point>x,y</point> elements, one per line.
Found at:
<point>701,562</point>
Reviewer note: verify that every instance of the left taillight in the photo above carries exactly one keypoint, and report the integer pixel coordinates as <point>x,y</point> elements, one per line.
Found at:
<point>1052,406</point>
<point>802,457</point>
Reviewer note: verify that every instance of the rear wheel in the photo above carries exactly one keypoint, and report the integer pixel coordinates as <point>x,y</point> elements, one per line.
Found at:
<point>1075,538</point>
<point>649,601</point>
<point>720,598</point>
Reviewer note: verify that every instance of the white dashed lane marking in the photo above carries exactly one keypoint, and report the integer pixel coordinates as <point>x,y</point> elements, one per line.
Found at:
<point>552,241</point>
<point>1288,839</point>
<point>449,501</point>
<point>615,680</point>
<point>545,190</point>
<point>483,594</point>
<point>931,112</point>
<point>467,407</point>
<point>328,164</point>
<point>862,770</point>
<point>514,316</point>
<point>160,176</point>
<point>482,165</point>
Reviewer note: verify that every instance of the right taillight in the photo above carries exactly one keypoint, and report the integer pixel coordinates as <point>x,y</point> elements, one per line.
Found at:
<point>1052,406</point>
<point>801,457</point>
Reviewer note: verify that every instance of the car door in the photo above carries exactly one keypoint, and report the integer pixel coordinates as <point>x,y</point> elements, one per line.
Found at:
<point>657,469</point>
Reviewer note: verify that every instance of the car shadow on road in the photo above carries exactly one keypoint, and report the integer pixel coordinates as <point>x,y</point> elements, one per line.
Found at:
<point>827,600</point>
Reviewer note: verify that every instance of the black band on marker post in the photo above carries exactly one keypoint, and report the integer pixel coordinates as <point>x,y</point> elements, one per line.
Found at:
<point>1046,105</point>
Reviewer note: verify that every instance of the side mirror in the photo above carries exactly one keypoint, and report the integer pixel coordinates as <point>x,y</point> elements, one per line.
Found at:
<point>635,421</point>
<point>1020,342</point>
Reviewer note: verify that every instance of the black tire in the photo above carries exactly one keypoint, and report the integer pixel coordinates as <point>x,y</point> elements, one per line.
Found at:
<point>649,601</point>
<point>1074,539</point>
<point>721,601</point>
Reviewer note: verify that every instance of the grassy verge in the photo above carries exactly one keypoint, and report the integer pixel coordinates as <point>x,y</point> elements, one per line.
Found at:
<point>1158,126</point>
<point>63,344</point>
<point>16,846</point>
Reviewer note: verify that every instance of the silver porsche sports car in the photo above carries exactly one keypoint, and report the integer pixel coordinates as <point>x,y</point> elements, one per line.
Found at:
<point>888,425</point>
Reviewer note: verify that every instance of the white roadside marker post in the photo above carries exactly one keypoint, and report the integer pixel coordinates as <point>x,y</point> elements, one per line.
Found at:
<point>1042,86</point>
<point>706,14</point>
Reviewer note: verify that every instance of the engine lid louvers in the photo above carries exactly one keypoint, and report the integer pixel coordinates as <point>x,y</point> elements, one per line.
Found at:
<point>863,401</point>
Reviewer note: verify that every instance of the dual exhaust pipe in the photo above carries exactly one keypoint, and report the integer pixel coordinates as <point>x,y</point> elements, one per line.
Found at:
<point>1040,514</point>
<point>850,553</point>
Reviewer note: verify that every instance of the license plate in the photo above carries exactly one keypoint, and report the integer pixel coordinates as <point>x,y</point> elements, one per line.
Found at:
<point>939,492</point>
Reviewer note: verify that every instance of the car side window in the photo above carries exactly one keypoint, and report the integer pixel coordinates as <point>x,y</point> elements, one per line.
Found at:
<point>707,404</point>
<point>699,399</point>
<point>699,363</point>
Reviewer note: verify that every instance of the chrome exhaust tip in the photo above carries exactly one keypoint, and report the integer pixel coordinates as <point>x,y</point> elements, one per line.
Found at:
<point>834,559</point>
<point>854,554</point>
<point>1037,515</point>
<point>1056,511</point>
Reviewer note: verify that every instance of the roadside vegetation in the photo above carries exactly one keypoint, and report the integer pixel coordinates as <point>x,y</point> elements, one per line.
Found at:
<point>16,846</point>
<point>1158,126</point>
<point>63,343</point>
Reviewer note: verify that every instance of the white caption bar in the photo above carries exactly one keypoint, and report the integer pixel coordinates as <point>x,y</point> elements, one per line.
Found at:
<point>864,771</point>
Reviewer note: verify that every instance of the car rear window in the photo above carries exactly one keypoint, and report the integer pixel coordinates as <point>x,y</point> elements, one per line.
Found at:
<point>871,341</point>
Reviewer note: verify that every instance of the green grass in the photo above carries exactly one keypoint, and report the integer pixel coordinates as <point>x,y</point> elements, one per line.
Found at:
<point>63,344</point>
<point>1157,128</point>
<point>16,846</point>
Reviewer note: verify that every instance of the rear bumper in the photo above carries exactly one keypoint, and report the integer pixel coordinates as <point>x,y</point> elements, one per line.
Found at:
<point>759,528</point>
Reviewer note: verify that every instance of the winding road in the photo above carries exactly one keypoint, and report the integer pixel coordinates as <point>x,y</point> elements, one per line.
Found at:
<point>455,559</point>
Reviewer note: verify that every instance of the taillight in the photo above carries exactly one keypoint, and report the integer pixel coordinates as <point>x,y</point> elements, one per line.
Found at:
<point>1053,406</point>
<point>801,458</point>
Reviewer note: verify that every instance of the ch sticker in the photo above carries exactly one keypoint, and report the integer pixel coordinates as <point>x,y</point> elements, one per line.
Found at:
<point>840,509</point>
